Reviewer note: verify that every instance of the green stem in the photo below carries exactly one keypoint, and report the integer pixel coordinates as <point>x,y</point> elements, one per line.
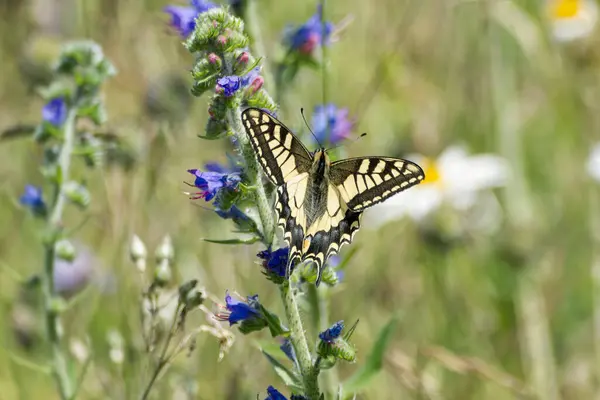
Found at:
<point>298,339</point>
<point>254,170</point>
<point>59,361</point>
<point>163,359</point>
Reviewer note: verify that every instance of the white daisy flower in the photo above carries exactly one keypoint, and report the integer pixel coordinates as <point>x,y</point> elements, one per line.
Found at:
<point>593,162</point>
<point>455,178</point>
<point>572,19</point>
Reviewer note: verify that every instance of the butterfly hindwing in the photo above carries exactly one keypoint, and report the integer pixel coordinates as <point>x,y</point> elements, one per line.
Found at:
<point>365,181</point>
<point>278,150</point>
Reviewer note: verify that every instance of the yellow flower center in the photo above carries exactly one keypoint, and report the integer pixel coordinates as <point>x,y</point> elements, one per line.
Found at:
<point>432,173</point>
<point>563,9</point>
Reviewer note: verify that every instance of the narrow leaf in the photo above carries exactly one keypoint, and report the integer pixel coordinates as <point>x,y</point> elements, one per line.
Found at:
<point>289,377</point>
<point>233,241</point>
<point>274,323</point>
<point>375,359</point>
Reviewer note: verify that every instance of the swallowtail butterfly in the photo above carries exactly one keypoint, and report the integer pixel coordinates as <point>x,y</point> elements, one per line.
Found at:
<point>319,202</point>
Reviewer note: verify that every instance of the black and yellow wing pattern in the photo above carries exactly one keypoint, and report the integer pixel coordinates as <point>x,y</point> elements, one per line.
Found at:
<point>319,203</point>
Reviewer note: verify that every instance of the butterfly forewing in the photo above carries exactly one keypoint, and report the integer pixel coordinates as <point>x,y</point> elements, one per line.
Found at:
<point>365,181</point>
<point>280,153</point>
<point>286,163</point>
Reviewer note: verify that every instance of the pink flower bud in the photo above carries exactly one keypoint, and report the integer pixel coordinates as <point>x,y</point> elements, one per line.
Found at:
<point>213,58</point>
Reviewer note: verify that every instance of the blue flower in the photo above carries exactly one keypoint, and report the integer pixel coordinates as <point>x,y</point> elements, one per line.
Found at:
<point>274,394</point>
<point>275,261</point>
<point>288,349</point>
<point>332,333</point>
<point>183,19</point>
<point>229,85</point>
<point>202,5</point>
<point>32,198</point>
<point>307,37</point>
<point>240,310</point>
<point>210,183</point>
<point>331,124</point>
<point>55,111</point>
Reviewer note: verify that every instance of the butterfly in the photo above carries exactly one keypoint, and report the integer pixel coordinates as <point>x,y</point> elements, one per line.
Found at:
<point>319,202</point>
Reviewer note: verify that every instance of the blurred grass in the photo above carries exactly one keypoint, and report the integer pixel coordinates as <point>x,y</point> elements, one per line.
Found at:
<point>519,303</point>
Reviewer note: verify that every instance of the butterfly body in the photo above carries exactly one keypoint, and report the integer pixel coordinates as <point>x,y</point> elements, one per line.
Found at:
<point>319,203</point>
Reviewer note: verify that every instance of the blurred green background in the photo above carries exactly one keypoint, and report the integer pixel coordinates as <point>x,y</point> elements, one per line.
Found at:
<point>504,314</point>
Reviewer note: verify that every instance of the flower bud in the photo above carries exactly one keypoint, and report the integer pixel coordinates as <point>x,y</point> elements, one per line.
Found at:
<point>255,86</point>
<point>165,251</point>
<point>214,60</point>
<point>137,252</point>
<point>65,250</point>
<point>162,274</point>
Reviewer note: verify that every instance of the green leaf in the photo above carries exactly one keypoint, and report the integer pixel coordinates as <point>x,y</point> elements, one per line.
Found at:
<point>274,323</point>
<point>375,359</point>
<point>252,240</point>
<point>289,377</point>
<point>347,257</point>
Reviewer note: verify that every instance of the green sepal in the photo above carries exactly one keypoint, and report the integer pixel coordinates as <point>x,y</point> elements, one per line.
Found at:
<point>291,379</point>
<point>339,349</point>
<point>252,325</point>
<point>94,110</point>
<point>45,131</point>
<point>91,149</point>
<point>274,323</point>
<point>65,250</point>
<point>261,99</point>
<point>327,363</point>
<point>77,194</point>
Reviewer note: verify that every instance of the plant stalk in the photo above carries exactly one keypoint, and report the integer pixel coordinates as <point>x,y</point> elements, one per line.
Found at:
<point>59,361</point>
<point>298,339</point>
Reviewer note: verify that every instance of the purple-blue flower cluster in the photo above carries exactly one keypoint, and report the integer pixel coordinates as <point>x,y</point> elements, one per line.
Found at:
<point>33,199</point>
<point>210,183</point>
<point>331,124</point>
<point>275,262</point>
<point>239,311</point>
<point>332,333</point>
<point>55,111</point>
<point>229,85</point>
<point>308,36</point>
<point>183,19</point>
<point>274,394</point>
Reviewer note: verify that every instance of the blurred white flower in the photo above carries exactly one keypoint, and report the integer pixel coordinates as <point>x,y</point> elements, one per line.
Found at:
<point>572,19</point>
<point>79,350</point>
<point>116,346</point>
<point>593,162</point>
<point>455,178</point>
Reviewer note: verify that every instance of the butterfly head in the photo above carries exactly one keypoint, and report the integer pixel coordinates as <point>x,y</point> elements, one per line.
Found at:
<point>321,162</point>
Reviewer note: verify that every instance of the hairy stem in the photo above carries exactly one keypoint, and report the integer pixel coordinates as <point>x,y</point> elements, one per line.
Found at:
<point>265,209</point>
<point>298,339</point>
<point>59,361</point>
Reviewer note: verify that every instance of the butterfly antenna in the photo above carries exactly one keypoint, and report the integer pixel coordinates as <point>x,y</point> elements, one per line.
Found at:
<point>311,131</point>
<point>346,143</point>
